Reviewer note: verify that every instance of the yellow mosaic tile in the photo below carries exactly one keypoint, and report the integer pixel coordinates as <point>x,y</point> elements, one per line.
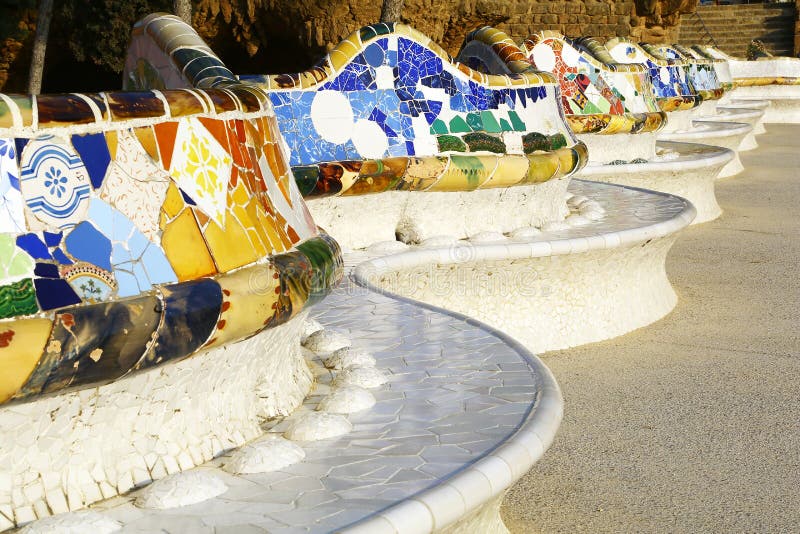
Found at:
<point>21,346</point>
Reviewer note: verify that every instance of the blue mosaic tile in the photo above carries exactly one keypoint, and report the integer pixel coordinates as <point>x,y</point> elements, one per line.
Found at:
<point>94,152</point>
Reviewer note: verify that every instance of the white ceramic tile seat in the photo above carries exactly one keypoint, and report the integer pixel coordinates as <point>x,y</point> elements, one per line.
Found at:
<point>466,411</point>
<point>688,170</point>
<point>728,135</point>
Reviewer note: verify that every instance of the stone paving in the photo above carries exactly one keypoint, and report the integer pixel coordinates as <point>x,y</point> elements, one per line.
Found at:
<point>691,424</point>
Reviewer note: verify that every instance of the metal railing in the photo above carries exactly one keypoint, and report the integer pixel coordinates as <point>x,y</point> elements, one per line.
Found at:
<point>709,38</point>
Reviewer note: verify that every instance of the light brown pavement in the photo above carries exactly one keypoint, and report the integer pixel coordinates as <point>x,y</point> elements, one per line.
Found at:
<point>692,424</point>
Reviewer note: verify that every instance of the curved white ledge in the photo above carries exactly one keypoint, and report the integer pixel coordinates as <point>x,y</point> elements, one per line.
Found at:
<point>359,221</point>
<point>561,288</point>
<point>784,101</point>
<point>730,101</point>
<point>709,132</point>
<point>686,170</point>
<point>752,116</point>
<point>428,455</point>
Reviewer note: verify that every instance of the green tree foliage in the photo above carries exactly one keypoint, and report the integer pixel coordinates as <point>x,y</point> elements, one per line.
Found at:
<point>98,31</point>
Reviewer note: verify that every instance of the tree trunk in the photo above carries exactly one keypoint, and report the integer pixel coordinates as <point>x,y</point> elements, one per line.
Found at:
<point>183,8</point>
<point>43,17</point>
<point>391,10</point>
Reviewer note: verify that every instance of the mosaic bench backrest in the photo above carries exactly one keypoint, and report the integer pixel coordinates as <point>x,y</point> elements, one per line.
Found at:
<point>595,98</point>
<point>670,84</point>
<point>721,68</point>
<point>139,228</point>
<point>387,109</point>
<point>701,73</point>
<point>762,71</point>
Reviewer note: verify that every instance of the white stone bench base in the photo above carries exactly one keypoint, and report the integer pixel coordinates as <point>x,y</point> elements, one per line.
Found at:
<point>621,146</point>
<point>722,134</point>
<point>360,221</point>
<point>466,412</point>
<point>752,116</point>
<point>691,175</point>
<point>563,288</point>
<point>784,101</point>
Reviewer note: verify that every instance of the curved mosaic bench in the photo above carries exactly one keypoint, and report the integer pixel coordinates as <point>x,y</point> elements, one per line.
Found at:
<point>461,136</point>
<point>670,78</point>
<point>683,169</point>
<point>428,456</point>
<point>776,79</point>
<point>434,454</point>
<point>591,101</point>
<point>155,253</point>
<point>589,94</point>
<point>669,83</point>
<point>702,72</point>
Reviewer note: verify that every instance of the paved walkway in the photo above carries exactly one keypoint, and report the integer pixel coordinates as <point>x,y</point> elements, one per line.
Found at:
<point>692,424</point>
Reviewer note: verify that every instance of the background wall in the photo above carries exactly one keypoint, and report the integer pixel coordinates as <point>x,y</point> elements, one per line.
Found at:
<point>733,27</point>
<point>88,37</point>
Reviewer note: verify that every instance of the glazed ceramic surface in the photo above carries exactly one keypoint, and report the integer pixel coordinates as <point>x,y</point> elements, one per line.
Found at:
<point>387,110</point>
<point>596,98</point>
<point>140,228</point>
<point>700,72</point>
<point>671,85</point>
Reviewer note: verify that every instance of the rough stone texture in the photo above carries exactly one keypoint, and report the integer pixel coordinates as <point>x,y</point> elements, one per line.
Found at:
<point>347,399</point>
<point>315,426</point>
<point>290,36</point>
<point>691,425</point>
<point>349,357</point>
<point>303,30</point>
<point>365,377</point>
<point>73,523</point>
<point>81,447</point>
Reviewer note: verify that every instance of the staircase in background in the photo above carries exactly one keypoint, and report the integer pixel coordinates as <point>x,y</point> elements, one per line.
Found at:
<point>733,27</point>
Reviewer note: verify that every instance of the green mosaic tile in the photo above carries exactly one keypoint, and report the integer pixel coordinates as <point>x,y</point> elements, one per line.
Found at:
<point>490,123</point>
<point>557,141</point>
<point>480,141</point>
<point>516,122</point>
<point>475,122</point>
<point>439,127</point>
<point>451,143</point>
<point>535,141</point>
<point>458,125</point>
<point>17,299</point>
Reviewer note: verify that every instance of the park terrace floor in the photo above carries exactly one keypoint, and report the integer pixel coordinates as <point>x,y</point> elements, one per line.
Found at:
<point>691,424</point>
